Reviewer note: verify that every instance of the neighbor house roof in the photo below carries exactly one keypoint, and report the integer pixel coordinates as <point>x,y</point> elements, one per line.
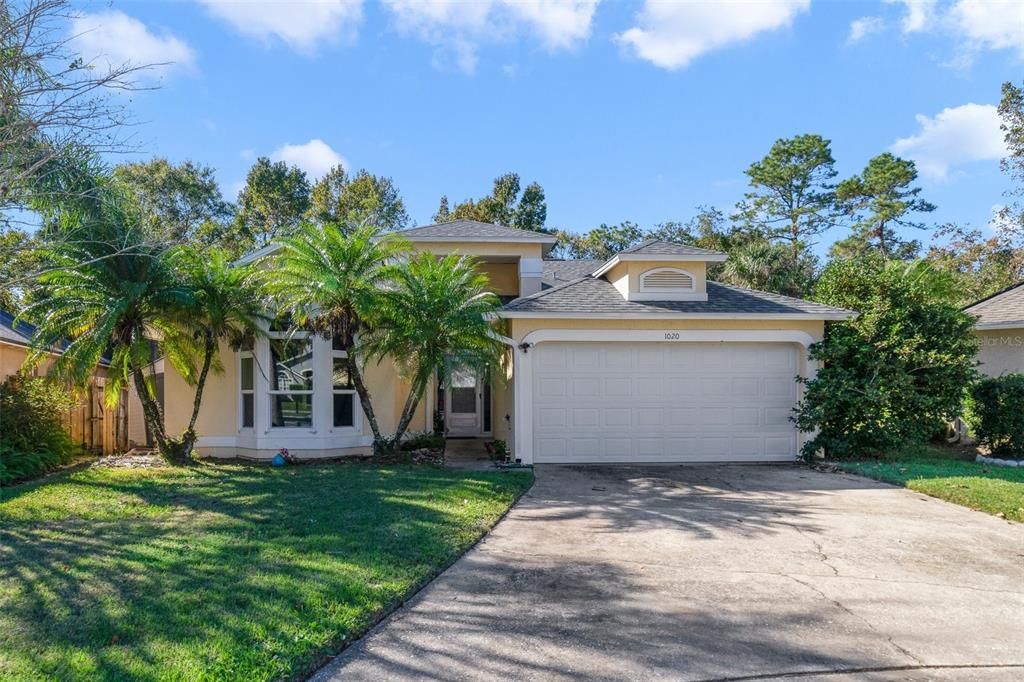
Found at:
<point>658,247</point>
<point>596,297</point>
<point>1003,309</point>
<point>20,334</point>
<point>473,230</point>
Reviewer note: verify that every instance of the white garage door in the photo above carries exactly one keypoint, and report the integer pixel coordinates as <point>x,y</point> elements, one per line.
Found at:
<point>664,402</point>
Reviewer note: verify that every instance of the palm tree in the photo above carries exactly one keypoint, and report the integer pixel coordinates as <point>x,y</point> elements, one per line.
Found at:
<point>112,294</point>
<point>765,266</point>
<point>329,280</point>
<point>438,313</point>
<point>225,306</point>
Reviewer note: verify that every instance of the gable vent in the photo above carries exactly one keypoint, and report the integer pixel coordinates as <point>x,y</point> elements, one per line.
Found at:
<point>666,279</point>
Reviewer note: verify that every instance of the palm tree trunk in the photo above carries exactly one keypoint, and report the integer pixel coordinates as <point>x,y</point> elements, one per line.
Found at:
<point>209,349</point>
<point>151,411</point>
<point>356,376</point>
<point>412,401</point>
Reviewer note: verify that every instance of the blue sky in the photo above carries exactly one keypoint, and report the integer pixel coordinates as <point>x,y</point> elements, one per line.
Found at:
<point>637,110</point>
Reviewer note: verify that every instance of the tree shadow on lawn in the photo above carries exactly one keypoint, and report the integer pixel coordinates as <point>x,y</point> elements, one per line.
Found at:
<point>239,573</point>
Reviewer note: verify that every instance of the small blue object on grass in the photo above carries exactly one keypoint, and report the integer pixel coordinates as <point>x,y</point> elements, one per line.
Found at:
<point>278,461</point>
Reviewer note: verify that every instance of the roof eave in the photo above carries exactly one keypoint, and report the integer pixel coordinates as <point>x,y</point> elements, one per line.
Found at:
<point>1013,324</point>
<point>837,316</point>
<point>674,258</point>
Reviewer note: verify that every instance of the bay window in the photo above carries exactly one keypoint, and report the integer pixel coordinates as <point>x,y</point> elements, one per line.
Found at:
<point>247,388</point>
<point>291,381</point>
<point>342,389</point>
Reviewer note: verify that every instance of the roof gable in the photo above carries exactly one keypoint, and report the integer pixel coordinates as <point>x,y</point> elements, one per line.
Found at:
<point>1002,309</point>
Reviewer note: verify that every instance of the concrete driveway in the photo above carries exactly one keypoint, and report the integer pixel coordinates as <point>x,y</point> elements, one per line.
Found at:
<point>715,573</point>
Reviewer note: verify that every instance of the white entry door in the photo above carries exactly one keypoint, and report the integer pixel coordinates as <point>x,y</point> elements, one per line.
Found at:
<point>664,402</point>
<point>463,401</point>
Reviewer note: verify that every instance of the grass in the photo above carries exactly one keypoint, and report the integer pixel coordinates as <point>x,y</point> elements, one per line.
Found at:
<point>222,572</point>
<point>951,475</point>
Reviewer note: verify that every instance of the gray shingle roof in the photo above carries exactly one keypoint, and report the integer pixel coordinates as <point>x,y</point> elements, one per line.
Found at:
<point>1005,308</point>
<point>657,247</point>
<point>468,229</point>
<point>20,333</point>
<point>598,296</point>
<point>561,271</point>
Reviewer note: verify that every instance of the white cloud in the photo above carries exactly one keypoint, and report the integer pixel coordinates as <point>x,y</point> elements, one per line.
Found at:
<point>860,28</point>
<point>459,28</point>
<point>113,38</point>
<point>301,24</point>
<point>919,14</point>
<point>315,157</point>
<point>990,24</point>
<point>672,34</point>
<point>954,136</point>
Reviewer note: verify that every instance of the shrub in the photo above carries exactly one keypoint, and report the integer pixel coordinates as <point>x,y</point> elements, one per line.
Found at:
<point>32,435</point>
<point>892,375</point>
<point>995,414</point>
<point>424,439</point>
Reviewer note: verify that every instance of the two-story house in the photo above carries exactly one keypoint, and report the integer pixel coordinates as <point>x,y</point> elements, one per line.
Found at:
<point>637,359</point>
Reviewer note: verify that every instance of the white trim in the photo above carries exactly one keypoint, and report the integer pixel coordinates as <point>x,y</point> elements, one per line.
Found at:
<point>512,314</point>
<point>986,326</point>
<point>523,371</point>
<point>267,250</point>
<point>472,240</point>
<point>663,257</point>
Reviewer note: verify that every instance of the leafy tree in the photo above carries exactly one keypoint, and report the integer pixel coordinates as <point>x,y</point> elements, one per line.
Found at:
<point>438,310</point>
<point>114,294</point>
<point>330,281</point>
<point>880,199</point>
<point>532,211</point>
<point>981,264</point>
<point>272,203</point>
<point>340,199</point>
<point>223,305</point>
<point>505,205</point>
<point>891,376</point>
<point>55,104</point>
<point>1011,111</point>
<point>764,266</point>
<point>602,242</point>
<point>791,198</point>
<point>443,213</point>
<point>180,202</point>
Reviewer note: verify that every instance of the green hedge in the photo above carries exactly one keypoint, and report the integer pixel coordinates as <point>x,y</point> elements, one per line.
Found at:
<point>32,435</point>
<point>995,414</point>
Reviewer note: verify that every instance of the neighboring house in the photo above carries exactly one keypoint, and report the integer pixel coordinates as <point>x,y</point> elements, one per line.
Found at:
<point>637,359</point>
<point>1000,329</point>
<point>91,423</point>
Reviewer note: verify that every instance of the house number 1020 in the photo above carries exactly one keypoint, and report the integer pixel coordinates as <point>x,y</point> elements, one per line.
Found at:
<point>671,336</point>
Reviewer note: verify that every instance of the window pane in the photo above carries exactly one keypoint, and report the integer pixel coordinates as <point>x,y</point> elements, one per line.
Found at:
<point>292,410</point>
<point>247,410</point>
<point>293,365</point>
<point>341,378</point>
<point>344,414</point>
<point>247,374</point>
<point>463,400</point>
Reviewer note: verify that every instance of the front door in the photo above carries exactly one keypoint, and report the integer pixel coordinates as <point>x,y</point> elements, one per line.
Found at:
<point>464,401</point>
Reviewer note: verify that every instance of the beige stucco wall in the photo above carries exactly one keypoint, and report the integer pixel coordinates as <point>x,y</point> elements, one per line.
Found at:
<point>519,328</point>
<point>1001,351</point>
<point>482,249</point>
<point>625,276</point>
<point>503,277</point>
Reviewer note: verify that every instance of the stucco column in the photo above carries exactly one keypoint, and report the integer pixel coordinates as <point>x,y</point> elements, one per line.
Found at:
<point>530,272</point>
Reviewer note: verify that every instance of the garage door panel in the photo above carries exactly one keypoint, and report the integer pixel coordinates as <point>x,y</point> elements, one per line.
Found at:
<point>664,402</point>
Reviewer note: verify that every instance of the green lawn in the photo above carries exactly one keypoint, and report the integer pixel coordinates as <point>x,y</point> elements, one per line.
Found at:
<point>222,572</point>
<point>953,476</point>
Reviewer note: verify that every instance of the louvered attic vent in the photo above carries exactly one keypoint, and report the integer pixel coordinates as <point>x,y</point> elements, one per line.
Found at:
<point>666,279</point>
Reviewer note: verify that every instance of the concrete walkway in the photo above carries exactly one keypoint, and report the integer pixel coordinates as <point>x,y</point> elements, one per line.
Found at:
<point>715,573</point>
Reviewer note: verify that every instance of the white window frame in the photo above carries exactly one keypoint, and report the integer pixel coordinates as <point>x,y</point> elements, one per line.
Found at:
<point>357,415</point>
<point>242,392</point>
<point>291,336</point>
